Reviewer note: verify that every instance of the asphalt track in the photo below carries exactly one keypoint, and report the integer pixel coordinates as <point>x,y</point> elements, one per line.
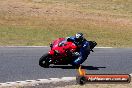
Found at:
<point>21,63</point>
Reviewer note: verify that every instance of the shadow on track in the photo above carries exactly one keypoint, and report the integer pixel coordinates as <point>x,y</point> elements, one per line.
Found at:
<point>83,67</point>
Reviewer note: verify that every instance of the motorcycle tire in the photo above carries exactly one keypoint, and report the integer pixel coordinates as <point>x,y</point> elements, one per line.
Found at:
<point>44,61</point>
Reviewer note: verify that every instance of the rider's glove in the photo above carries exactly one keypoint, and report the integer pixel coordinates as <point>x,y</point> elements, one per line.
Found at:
<point>84,45</point>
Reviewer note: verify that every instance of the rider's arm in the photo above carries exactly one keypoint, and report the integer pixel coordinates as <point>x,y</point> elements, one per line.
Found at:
<point>72,39</point>
<point>86,45</point>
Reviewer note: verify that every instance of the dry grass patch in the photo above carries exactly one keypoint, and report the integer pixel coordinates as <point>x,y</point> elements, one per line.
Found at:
<point>27,22</point>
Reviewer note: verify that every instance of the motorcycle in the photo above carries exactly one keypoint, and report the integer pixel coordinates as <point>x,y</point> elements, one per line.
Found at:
<point>62,53</point>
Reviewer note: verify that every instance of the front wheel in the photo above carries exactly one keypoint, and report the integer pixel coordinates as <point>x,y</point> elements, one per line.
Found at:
<point>44,61</point>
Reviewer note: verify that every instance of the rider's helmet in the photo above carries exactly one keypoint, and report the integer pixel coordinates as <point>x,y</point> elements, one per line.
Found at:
<point>79,37</point>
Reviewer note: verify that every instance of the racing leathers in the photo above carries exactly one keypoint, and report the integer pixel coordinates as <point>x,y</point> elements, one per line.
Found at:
<point>83,50</point>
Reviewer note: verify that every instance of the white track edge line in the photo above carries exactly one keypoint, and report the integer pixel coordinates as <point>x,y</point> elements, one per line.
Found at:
<point>44,81</point>
<point>36,82</point>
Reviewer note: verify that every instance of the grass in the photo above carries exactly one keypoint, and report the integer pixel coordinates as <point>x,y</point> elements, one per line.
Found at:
<point>27,22</point>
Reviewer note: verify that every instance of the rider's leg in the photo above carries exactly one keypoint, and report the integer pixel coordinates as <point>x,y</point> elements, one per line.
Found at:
<point>78,61</point>
<point>82,57</point>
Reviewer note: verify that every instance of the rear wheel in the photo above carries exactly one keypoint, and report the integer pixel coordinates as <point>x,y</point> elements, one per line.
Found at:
<point>44,61</point>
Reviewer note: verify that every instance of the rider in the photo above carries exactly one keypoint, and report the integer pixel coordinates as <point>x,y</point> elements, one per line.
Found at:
<point>83,45</point>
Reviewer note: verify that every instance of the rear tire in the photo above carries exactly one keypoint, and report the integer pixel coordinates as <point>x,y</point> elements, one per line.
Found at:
<point>44,61</point>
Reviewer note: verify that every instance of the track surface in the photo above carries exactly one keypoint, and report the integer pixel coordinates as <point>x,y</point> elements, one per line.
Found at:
<point>18,64</point>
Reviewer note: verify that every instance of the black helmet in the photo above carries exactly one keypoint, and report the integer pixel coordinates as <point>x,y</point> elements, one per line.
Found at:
<point>79,36</point>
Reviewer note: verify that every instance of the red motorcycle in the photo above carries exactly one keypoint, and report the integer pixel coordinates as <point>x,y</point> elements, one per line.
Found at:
<point>61,53</point>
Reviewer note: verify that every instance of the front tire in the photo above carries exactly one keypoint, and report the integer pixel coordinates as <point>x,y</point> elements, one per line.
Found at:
<point>44,61</point>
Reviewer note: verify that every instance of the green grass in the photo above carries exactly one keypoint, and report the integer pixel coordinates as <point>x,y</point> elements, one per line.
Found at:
<point>41,36</point>
<point>108,22</point>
